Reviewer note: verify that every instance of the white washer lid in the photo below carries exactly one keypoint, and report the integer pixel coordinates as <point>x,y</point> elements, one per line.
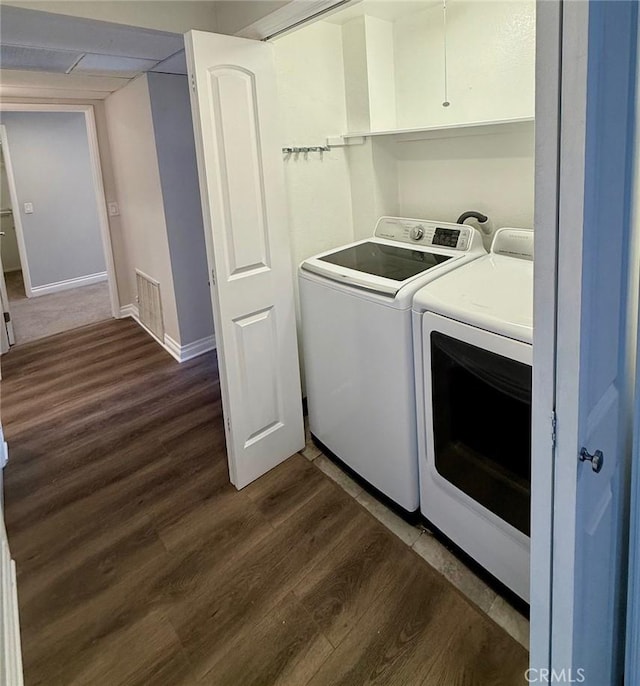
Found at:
<point>494,292</point>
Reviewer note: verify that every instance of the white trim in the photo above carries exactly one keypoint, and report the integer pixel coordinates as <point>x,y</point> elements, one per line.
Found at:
<point>632,669</point>
<point>547,125</point>
<point>575,51</point>
<point>69,283</point>
<point>17,215</point>
<point>96,172</point>
<point>290,17</point>
<point>180,353</point>
<point>128,311</point>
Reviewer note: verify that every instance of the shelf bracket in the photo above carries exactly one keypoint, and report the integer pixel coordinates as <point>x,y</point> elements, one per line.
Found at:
<point>342,141</point>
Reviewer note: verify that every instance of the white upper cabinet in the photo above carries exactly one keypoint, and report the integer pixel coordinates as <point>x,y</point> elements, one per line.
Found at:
<point>399,69</point>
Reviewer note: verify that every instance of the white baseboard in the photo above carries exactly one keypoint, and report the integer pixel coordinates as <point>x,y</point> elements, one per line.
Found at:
<point>128,311</point>
<point>181,353</point>
<point>68,283</point>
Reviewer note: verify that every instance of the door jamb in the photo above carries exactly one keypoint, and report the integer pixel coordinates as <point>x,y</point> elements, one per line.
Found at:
<point>17,217</point>
<point>547,156</point>
<point>98,185</point>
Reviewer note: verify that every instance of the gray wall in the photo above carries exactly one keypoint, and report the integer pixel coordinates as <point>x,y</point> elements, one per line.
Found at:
<point>173,131</point>
<point>51,165</point>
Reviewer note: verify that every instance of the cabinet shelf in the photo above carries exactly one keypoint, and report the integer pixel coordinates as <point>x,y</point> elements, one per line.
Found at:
<point>447,130</point>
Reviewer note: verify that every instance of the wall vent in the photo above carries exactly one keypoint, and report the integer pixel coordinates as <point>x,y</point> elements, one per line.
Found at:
<point>149,304</point>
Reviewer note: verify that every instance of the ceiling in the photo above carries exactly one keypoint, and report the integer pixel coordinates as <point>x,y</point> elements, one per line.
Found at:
<point>49,55</point>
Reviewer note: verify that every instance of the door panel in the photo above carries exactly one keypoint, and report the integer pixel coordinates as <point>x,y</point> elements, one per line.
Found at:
<point>593,257</point>
<point>235,112</point>
<point>235,107</point>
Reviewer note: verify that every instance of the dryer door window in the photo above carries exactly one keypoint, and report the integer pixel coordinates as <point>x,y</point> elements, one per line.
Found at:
<point>482,426</point>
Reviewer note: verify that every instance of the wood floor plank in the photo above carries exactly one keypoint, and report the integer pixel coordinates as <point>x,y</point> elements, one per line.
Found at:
<point>139,563</point>
<point>154,658</point>
<point>348,583</point>
<point>251,586</point>
<point>284,648</point>
<point>405,638</point>
<point>285,489</point>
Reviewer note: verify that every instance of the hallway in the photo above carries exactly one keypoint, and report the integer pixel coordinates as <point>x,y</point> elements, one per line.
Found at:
<point>138,562</point>
<point>46,315</point>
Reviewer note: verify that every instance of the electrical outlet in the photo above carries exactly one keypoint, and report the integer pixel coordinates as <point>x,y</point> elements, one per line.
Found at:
<point>113,208</point>
<point>28,208</point>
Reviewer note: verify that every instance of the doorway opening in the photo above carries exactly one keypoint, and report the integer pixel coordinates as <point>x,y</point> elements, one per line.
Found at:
<point>55,252</point>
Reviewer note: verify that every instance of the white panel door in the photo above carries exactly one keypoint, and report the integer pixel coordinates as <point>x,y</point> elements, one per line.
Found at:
<point>236,119</point>
<point>596,136</point>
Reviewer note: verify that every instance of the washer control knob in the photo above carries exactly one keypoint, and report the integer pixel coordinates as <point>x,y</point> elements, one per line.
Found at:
<point>417,232</point>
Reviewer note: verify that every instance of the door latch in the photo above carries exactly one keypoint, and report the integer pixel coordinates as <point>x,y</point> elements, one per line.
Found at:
<point>596,459</point>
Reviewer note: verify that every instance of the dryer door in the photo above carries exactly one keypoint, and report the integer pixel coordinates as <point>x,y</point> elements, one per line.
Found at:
<point>477,397</point>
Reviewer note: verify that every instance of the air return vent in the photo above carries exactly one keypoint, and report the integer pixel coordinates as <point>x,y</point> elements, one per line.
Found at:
<point>149,304</point>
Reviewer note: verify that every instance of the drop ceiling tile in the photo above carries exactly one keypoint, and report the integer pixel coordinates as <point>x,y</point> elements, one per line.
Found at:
<point>176,64</point>
<point>27,27</point>
<point>112,65</point>
<point>37,59</point>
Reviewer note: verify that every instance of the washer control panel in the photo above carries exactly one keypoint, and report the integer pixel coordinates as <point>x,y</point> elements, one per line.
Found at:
<point>424,232</point>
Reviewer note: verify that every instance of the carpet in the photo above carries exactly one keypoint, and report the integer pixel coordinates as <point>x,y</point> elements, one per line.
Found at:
<point>46,315</point>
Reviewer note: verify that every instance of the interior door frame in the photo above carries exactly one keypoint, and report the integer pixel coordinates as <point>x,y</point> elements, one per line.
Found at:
<point>562,71</point>
<point>17,217</point>
<point>98,185</point>
<point>632,666</point>
<point>549,35</point>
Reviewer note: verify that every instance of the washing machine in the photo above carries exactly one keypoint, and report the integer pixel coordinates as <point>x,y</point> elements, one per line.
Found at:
<point>358,351</point>
<point>473,351</point>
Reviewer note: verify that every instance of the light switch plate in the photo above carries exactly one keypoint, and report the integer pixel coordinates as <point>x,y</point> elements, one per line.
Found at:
<point>113,208</point>
<point>28,208</point>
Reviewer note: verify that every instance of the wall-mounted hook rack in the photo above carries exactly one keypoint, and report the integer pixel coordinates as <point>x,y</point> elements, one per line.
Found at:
<point>305,149</point>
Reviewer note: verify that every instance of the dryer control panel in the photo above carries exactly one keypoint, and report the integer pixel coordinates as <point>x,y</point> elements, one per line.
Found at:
<point>426,232</point>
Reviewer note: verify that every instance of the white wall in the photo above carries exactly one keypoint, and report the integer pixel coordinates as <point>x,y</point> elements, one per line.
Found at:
<point>493,173</point>
<point>374,184</point>
<point>311,93</point>
<point>52,170</point>
<point>8,242</point>
<point>356,78</point>
<point>139,194</point>
<point>176,16</point>
<point>234,15</point>
<point>490,62</point>
<point>175,147</point>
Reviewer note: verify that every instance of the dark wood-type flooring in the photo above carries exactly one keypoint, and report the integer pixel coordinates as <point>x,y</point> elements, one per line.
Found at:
<point>138,562</point>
